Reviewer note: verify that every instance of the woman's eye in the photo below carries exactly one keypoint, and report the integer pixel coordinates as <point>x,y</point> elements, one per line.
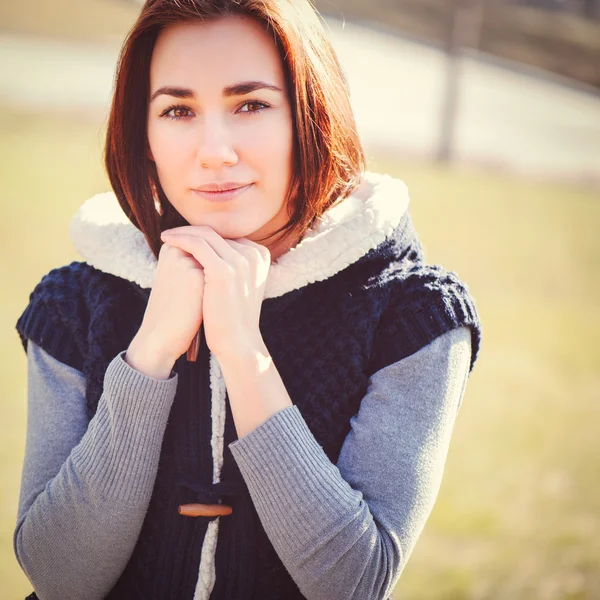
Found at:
<point>175,112</point>
<point>253,106</point>
<point>183,112</point>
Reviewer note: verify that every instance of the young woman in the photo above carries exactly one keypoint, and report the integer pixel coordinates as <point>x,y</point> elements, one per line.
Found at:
<point>248,388</point>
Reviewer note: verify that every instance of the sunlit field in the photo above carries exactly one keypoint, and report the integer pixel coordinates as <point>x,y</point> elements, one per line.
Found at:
<point>517,516</point>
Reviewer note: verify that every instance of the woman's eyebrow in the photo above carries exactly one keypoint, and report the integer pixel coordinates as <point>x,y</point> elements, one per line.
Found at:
<point>237,89</point>
<point>247,87</point>
<point>177,92</point>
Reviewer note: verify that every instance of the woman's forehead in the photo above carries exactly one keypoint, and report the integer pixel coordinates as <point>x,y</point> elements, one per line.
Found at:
<point>215,54</point>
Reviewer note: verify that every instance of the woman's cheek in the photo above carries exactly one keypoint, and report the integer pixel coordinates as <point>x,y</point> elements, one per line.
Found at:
<point>271,142</point>
<point>283,136</point>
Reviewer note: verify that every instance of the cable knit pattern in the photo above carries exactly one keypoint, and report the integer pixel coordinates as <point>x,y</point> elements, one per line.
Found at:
<point>354,296</point>
<point>426,298</point>
<point>83,317</point>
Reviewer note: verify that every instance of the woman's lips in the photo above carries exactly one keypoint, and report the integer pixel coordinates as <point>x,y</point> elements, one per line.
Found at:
<point>224,195</point>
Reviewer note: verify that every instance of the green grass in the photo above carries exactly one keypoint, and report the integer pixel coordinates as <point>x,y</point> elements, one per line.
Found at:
<point>517,516</point>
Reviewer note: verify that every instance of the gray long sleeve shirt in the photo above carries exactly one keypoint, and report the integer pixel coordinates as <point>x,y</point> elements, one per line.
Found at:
<point>343,531</point>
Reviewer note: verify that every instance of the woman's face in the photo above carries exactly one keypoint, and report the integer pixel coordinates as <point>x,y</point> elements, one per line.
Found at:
<point>219,117</point>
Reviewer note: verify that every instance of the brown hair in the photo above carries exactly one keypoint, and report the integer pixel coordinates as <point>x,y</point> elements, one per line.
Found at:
<point>328,159</point>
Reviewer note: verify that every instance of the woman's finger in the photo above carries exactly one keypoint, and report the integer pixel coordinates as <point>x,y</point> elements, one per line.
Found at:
<point>217,243</point>
<point>263,250</point>
<point>201,250</point>
<point>250,252</point>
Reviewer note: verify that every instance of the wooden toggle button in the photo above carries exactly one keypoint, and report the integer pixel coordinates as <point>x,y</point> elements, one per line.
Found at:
<point>205,510</point>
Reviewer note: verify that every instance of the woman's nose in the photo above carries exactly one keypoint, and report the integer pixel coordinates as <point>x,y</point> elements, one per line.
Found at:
<point>215,147</point>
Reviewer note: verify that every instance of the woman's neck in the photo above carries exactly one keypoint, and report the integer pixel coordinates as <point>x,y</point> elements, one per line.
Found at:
<point>282,245</point>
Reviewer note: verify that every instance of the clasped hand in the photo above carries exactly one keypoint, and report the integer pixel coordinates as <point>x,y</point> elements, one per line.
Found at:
<point>203,277</point>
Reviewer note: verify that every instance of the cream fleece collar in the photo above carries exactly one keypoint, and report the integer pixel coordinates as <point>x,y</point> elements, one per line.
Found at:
<point>107,240</point>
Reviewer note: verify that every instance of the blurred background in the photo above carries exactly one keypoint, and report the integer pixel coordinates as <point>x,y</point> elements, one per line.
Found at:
<point>490,112</point>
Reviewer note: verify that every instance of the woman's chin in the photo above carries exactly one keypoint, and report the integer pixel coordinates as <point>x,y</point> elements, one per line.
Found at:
<point>228,231</point>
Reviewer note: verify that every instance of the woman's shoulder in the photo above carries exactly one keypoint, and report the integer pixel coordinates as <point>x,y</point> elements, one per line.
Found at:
<point>425,301</point>
<point>61,306</point>
<point>75,282</point>
<point>73,278</point>
<point>413,278</point>
<point>63,292</point>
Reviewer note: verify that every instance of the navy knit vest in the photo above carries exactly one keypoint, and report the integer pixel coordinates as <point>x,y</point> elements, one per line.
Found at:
<point>326,339</point>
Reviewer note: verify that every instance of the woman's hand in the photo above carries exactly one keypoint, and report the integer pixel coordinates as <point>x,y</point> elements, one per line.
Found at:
<point>173,314</point>
<point>235,275</point>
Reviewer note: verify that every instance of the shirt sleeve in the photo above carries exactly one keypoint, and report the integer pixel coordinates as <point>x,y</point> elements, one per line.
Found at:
<point>346,531</point>
<point>85,486</point>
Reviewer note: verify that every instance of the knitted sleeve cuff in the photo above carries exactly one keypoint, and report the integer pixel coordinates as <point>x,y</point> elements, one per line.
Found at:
<point>278,455</point>
<point>120,451</point>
